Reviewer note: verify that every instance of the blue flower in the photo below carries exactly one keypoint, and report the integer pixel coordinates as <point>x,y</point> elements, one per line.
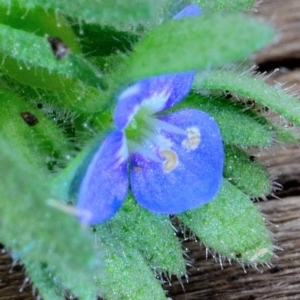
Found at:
<point>172,162</point>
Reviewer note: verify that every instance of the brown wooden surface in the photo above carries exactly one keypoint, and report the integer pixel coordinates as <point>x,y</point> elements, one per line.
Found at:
<point>206,279</point>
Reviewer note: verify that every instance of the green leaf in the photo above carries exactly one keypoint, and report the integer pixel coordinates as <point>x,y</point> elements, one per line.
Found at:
<point>35,229</point>
<point>80,100</point>
<point>247,175</point>
<point>39,22</point>
<point>28,130</point>
<point>195,43</point>
<point>285,134</point>
<point>28,58</point>
<point>126,274</point>
<point>232,226</point>
<point>147,232</point>
<point>104,40</point>
<point>114,12</point>
<point>43,279</point>
<point>252,88</point>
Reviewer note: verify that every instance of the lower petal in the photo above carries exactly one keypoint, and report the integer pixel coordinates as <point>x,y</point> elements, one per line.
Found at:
<point>192,173</point>
<point>104,186</point>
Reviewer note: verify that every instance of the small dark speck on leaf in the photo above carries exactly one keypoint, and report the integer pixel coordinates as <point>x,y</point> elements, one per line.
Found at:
<point>29,118</point>
<point>39,105</point>
<point>59,49</point>
<point>252,158</point>
<point>228,95</point>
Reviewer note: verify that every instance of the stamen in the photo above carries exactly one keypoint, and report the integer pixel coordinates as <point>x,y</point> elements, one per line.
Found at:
<point>144,151</point>
<point>171,161</point>
<point>162,125</point>
<point>156,140</point>
<point>193,138</point>
<point>162,142</point>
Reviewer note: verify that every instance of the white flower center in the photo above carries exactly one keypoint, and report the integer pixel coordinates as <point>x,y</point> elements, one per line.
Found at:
<point>144,136</point>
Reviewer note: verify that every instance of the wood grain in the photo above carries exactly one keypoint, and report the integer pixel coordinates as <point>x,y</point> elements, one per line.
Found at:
<point>284,15</point>
<point>206,278</point>
<point>281,281</point>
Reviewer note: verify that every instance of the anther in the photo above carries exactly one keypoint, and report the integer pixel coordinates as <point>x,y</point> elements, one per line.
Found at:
<point>171,161</point>
<point>193,138</point>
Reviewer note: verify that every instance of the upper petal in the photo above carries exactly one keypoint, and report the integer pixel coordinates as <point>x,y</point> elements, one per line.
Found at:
<point>192,10</point>
<point>166,90</point>
<point>129,102</point>
<point>104,186</point>
<point>197,173</point>
<point>153,95</point>
<point>158,92</point>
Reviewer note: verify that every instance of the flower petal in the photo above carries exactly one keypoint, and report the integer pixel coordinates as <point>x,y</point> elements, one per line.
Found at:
<point>129,103</point>
<point>105,184</point>
<point>154,95</point>
<point>166,90</point>
<point>196,176</point>
<point>192,10</point>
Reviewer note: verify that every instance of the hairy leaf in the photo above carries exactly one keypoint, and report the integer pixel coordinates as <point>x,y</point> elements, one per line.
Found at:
<point>195,43</point>
<point>36,230</point>
<point>232,226</point>
<point>252,88</point>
